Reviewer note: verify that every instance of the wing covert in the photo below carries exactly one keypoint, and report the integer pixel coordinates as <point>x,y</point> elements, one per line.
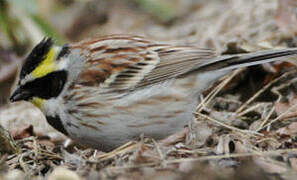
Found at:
<point>125,63</point>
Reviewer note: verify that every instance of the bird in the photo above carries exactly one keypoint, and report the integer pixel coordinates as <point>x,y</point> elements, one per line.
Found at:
<point>105,91</point>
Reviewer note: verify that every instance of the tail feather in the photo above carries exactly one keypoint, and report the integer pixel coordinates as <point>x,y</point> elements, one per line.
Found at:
<point>229,62</point>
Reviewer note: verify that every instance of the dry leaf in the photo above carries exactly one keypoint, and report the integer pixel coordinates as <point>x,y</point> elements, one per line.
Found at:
<point>290,130</point>
<point>175,138</point>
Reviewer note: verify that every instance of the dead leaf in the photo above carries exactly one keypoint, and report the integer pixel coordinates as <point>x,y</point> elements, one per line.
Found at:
<point>282,107</point>
<point>290,130</point>
<point>175,138</point>
<point>25,132</point>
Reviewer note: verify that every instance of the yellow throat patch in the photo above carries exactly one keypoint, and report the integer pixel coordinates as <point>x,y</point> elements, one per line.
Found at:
<point>38,102</point>
<point>48,65</point>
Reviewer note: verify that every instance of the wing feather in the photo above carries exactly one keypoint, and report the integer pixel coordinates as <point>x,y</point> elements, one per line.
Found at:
<point>125,63</point>
<point>119,64</point>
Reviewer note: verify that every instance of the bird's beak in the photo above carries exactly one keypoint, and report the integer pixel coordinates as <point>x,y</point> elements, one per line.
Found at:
<point>20,94</point>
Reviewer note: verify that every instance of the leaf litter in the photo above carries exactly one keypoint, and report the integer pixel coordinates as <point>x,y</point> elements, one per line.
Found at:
<point>234,134</point>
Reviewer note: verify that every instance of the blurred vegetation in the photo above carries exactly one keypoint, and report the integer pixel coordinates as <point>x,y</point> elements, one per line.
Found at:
<point>229,26</point>
<point>26,22</point>
<point>21,23</point>
<point>162,10</point>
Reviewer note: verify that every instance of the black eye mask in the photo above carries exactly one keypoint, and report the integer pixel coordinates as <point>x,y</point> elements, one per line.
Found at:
<point>48,86</point>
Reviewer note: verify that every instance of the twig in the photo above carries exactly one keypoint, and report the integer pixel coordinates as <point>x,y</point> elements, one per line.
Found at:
<point>249,109</point>
<point>280,116</point>
<point>266,119</point>
<point>257,94</point>
<point>228,126</point>
<point>212,157</point>
<point>160,153</point>
<point>216,90</point>
<point>123,149</point>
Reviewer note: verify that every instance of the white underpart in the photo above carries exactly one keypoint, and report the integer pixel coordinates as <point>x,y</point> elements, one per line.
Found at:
<point>119,124</point>
<point>123,122</point>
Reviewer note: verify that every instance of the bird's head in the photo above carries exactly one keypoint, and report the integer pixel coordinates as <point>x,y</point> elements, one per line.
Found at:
<point>43,75</point>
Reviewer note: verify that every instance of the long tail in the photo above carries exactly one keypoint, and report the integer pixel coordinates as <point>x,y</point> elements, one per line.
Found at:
<point>229,62</point>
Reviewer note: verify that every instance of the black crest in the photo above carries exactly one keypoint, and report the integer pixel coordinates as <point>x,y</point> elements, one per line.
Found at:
<point>36,56</point>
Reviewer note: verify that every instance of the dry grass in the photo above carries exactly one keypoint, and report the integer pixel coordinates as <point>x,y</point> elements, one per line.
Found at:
<point>231,136</point>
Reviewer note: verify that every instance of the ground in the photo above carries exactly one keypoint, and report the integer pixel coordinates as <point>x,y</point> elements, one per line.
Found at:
<point>244,126</point>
